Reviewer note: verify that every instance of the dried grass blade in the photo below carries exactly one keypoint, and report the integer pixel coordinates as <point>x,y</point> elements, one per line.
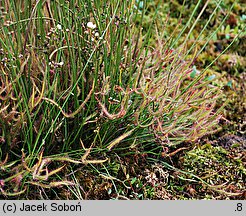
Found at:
<point>119,139</point>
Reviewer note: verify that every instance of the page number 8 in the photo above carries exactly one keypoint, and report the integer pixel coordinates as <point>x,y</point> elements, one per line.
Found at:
<point>239,207</point>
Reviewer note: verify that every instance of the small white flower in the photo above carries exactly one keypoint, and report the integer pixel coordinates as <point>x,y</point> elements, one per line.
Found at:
<point>91,25</point>
<point>60,63</point>
<point>59,27</point>
<point>96,34</point>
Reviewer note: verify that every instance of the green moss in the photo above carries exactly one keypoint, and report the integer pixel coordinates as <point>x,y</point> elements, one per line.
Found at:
<point>216,166</point>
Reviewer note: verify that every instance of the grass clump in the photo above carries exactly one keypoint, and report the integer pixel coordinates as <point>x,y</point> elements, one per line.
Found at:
<point>81,80</point>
